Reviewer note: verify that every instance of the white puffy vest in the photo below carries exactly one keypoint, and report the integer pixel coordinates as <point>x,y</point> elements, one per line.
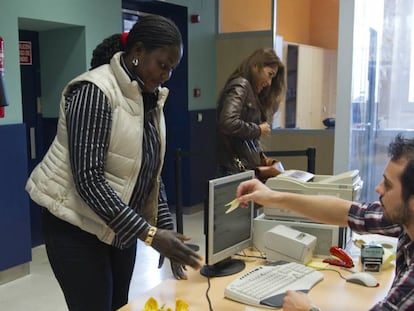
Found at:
<point>51,183</point>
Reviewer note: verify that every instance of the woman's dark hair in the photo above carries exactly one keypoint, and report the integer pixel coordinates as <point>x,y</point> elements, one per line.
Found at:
<point>407,181</point>
<point>104,51</point>
<point>403,148</point>
<point>270,97</point>
<point>153,32</point>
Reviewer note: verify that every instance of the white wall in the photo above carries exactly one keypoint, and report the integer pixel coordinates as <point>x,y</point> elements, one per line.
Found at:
<point>344,83</point>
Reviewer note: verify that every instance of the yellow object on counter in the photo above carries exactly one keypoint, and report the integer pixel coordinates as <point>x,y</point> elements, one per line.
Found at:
<point>152,305</point>
<point>387,258</point>
<point>318,265</point>
<point>389,251</point>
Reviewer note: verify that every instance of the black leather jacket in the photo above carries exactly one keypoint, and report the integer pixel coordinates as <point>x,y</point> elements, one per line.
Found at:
<point>238,131</point>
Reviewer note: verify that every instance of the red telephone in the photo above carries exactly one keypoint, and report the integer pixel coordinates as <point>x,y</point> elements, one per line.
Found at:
<point>343,258</point>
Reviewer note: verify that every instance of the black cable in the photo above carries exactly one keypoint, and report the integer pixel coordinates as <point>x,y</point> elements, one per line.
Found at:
<point>260,252</point>
<point>210,306</point>
<point>252,256</point>
<point>261,256</point>
<point>327,269</point>
<point>242,254</point>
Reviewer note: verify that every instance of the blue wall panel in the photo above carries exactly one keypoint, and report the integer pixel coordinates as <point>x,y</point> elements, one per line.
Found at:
<point>15,245</point>
<point>202,165</point>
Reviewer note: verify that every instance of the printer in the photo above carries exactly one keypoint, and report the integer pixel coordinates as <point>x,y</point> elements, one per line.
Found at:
<point>285,243</point>
<point>347,185</point>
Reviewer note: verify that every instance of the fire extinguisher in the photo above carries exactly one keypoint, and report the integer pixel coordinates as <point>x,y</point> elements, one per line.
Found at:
<point>3,101</point>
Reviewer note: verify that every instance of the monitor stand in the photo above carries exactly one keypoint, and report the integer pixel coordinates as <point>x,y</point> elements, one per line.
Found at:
<point>225,267</point>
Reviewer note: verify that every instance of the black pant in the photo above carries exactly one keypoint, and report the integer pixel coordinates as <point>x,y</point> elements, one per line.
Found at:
<point>92,274</point>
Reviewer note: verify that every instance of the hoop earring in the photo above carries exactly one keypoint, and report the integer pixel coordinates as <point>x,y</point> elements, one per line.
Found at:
<point>135,62</point>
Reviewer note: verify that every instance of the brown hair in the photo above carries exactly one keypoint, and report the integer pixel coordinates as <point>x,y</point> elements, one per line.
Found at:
<point>270,97</point>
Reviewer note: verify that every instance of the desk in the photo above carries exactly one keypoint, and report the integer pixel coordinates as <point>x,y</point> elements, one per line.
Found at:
<point>331,294</point>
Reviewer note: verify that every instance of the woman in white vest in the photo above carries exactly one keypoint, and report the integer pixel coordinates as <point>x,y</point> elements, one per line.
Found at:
<point>100,180</point>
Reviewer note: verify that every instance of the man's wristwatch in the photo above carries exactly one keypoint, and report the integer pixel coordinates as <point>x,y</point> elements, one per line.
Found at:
<point>315,308</point>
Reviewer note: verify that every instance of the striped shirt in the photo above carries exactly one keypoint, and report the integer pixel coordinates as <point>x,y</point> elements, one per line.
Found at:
<point>88,116</point>
<point>369,218</point>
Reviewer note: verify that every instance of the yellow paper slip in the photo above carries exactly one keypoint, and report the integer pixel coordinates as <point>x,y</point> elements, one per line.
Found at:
<point>233,205</point>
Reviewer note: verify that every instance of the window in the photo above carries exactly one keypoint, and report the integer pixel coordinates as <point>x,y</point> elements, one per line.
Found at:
<point>382,85</point>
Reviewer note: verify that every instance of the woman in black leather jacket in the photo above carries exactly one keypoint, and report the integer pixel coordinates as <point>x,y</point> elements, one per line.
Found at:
<point>245,108</point>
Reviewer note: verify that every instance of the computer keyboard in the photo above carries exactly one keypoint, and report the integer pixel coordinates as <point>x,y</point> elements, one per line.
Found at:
<point>266,285</point>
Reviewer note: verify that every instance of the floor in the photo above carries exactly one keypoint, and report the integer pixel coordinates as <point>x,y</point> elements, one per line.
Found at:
<point>39,290</point>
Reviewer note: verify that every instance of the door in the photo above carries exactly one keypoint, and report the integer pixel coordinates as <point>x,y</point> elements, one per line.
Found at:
<point>176,109</point>
<point>32,117</point>
<point>382,85</point>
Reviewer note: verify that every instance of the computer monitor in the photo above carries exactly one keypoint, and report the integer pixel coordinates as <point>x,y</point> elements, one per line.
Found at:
<point>226,234</point>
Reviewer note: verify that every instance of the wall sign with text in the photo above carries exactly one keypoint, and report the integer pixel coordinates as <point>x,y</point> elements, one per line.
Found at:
<point>25,52</point>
